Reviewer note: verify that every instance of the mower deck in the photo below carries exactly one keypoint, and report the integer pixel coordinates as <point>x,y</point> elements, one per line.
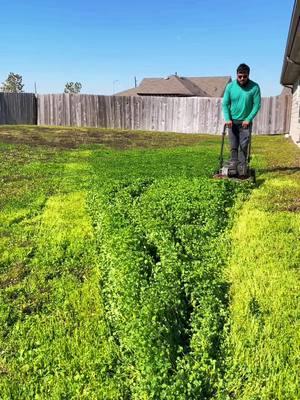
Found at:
<point>235,170</point>
<point>235,178</point>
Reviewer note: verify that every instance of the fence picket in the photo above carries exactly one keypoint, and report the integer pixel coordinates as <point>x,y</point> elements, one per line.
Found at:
<point>176,114</point>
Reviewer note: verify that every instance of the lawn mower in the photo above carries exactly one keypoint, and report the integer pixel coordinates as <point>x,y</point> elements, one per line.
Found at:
<point>235,169</point>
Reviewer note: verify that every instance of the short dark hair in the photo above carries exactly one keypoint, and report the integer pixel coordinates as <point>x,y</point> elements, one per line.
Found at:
<point>243,68</point>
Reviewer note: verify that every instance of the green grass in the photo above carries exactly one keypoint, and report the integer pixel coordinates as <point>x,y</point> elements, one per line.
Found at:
<point>264,340</point>
<point>125,272</point>
<point>161,245</point>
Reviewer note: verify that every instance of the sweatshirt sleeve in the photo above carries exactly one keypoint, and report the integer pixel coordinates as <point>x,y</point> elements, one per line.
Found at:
<point>226,104</point>
<point>256,104</point>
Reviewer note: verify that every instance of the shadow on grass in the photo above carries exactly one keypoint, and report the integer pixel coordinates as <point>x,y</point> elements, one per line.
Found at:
<point>259,182</point>
<point>286,170</point>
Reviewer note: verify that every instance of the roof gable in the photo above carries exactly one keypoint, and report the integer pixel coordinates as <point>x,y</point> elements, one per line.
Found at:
<point>213,85</point>
<point>180,86</point>
<point>172,85</point>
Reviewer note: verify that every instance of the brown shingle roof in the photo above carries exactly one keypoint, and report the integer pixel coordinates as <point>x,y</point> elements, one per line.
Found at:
<point>193,88</point>
<point>180,86</point>
<point>213,85</point>
<point>129,92</point>
<point>172,85</point>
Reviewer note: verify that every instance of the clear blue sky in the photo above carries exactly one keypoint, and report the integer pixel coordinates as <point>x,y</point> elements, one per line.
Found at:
<point>105,44</point>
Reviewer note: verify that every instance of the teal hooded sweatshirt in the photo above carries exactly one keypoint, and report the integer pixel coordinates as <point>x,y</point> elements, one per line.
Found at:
<point>241,103</point>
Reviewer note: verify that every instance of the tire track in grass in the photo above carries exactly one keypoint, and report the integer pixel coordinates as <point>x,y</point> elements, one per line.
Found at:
<point>58,345</point>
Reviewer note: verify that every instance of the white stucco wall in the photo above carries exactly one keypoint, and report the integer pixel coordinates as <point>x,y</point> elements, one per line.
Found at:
<point>295,113</point>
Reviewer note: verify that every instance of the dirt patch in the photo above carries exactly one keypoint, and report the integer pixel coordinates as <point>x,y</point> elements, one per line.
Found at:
<point>293,207</point>
<point>15,275</point>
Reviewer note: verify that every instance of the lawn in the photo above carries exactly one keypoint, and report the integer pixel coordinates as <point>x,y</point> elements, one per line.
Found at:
<point>128,273</point>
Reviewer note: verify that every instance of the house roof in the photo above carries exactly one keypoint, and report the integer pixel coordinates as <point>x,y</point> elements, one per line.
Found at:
<point>291,62</point>
<point>213,85</point>
<point>172,85</point>
<point>129,92</point>
<point>180,86</point>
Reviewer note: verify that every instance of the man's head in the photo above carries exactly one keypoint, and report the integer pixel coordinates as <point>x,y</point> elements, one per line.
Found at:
<point>243,72</point>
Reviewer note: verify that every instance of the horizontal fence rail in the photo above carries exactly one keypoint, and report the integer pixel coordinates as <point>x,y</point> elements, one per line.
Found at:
<point>172,114</point>
<point>18,108</point>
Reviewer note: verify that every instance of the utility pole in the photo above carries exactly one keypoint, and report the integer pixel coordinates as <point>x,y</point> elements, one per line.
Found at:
<point>35,91</point>
<point>135,82</point>
<point>114,84</point>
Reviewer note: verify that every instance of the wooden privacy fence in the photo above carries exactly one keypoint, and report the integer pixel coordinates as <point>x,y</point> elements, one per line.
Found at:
<point>18,108</point>
<point>172,114</point>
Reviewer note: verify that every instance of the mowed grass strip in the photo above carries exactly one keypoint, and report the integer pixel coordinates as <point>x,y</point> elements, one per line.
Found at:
<point>50,299</point>
<point>57,342</point>
<point>263,342</point>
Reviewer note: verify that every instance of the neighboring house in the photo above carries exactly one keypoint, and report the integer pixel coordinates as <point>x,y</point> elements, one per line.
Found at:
<point>290,75</point>
<point>179,86</point>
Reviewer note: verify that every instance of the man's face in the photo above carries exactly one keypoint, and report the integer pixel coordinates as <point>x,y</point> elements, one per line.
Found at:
<point>242,78</point>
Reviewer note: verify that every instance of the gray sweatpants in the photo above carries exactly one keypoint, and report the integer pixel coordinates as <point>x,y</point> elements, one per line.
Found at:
<point>239,141</point>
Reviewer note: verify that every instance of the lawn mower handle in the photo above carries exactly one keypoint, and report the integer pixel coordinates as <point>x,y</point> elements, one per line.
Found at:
<point>222,146</point>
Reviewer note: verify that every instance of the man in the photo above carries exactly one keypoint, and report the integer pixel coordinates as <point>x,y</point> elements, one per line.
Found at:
<point>241,103</point>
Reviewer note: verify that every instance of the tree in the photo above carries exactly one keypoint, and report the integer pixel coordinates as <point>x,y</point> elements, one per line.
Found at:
<point>73,87</point>
<point>13,83</point>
